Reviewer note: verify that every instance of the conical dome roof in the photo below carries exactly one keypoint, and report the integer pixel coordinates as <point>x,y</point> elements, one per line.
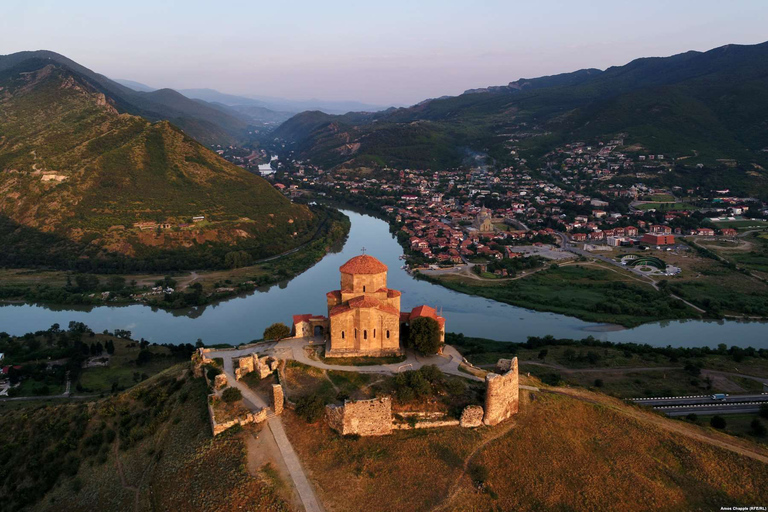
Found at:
<point>363,264</point>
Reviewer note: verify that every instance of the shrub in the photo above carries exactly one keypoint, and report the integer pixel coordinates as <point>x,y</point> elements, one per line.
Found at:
<point>276,331</point>
<point>764,411</point>
<point>692,417</point>
<point>230,395</point>
<point>479,474</point>
<point>717,422</point>
<point>598,383</point>
<point>310,407</point>
<point>758,428</point>
<point>212,373</point>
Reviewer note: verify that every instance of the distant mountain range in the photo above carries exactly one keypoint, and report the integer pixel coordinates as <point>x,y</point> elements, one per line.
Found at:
<point>277,105</point>
<point>85,183</point>
<point>706,105</point>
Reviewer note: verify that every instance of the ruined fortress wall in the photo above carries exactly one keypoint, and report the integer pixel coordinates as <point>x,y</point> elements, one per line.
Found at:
<point>361,417</point>
<point>278,399</point>
<point>502,395</point>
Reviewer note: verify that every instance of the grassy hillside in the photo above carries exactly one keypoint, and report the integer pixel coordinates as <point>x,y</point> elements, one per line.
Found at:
<point>200,120</point>
<point>713,102</point>
<point>149,448</point>
<point>77,177</point>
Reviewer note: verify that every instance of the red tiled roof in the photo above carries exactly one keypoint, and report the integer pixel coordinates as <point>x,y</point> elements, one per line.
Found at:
<point>297,319</point>
<point>335,294</point>
<point>336,310</point>
<point>426,311</point>
<point>363,264</point>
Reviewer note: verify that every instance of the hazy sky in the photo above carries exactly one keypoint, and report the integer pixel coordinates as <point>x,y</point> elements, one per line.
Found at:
<point>384,52</point>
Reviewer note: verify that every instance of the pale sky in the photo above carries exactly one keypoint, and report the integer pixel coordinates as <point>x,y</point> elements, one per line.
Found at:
<point>385,52</point>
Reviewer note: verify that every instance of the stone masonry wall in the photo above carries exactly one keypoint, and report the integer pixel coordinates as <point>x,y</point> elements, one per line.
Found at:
<point>502,395</point>
<point>361,417</point>
<point>278,399</point>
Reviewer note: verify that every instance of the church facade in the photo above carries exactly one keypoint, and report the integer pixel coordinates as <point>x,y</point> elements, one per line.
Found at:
<point>364,317</point>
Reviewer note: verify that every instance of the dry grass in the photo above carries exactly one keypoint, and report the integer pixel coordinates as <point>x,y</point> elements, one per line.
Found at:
<point>559,453</point>
<point>567,454</point>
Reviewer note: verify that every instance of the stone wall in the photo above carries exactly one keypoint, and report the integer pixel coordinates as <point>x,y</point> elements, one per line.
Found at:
<point>278,398</point>
<point>218,428</point>
<point>501,395</point>
<point>362,417</point>
<point>472,416</point>
<point>253,363</point>
<point>364,332</point>
<point>220,381</point>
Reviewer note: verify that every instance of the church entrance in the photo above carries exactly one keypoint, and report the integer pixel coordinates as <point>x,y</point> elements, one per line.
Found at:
<point>318,330</point>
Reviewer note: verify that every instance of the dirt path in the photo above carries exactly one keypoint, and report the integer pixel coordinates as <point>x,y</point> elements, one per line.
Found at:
<point>501,430</point>
<point>123,481</point>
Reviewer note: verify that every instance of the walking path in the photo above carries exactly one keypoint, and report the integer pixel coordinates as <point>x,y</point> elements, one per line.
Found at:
<point>255,402</point>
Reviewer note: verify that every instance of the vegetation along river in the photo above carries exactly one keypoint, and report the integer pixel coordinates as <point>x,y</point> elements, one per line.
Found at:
<point>243,319</point>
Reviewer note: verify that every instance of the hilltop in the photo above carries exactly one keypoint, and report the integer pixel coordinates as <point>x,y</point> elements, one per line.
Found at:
<point>713,104</point>
<point>198,119</point>
<point>85,184</point>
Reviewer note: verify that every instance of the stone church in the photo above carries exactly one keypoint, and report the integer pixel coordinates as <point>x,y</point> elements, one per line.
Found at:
<point>364,317</point>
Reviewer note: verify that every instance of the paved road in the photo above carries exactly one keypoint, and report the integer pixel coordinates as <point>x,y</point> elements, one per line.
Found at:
<point>701,400</point>
<point>723,409</point>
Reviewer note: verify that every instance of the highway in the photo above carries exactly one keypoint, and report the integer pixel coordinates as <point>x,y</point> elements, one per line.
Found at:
<point>705,404</point>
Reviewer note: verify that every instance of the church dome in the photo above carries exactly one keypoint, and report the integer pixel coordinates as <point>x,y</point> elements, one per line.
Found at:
<point>363,264</point>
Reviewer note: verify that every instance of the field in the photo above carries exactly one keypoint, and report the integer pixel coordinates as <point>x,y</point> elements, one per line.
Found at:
<point>742,224</point>
<point>591,292</point>
<point>559,453</point>
<point>123,370</point>
<point>667,206</point>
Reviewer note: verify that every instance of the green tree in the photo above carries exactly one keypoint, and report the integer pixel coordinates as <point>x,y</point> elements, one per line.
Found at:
<point>277,331</point>
<point>758,428</point>
<point>230,395</point>
<point>424,335</point>
<point>237,259</point>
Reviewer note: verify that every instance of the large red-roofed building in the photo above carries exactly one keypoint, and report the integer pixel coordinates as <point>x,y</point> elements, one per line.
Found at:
<point>364,316</point>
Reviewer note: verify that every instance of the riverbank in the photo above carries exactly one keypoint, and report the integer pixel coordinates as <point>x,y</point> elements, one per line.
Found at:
<point>175,291</point>
<point>590,293</point>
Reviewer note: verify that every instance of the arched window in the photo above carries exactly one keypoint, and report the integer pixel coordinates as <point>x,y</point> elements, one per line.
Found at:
<point>342,334</point>
<point>374,334</point>
<point>387,333</point>
<point>365,334</point>
<point>363,288</point>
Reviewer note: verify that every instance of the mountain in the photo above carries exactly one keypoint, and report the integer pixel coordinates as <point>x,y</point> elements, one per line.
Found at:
<point>713,103</point>
<point>136,86</point>
<point>206,124</point>
<point>85,185</point>
<point>281,104</point>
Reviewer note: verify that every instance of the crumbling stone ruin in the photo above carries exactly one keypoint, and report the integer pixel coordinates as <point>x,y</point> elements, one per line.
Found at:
<point>250,363</point>
<point>278,399</point>
<point>502,396</point>
<point>471,416</point>
<point>244,419</point>
<point>504,365</point>
<point>199,359</point>
<point>220,381</point>
<point>362,417</point>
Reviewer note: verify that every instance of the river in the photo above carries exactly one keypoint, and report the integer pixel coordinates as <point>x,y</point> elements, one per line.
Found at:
<point>243,319</point>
